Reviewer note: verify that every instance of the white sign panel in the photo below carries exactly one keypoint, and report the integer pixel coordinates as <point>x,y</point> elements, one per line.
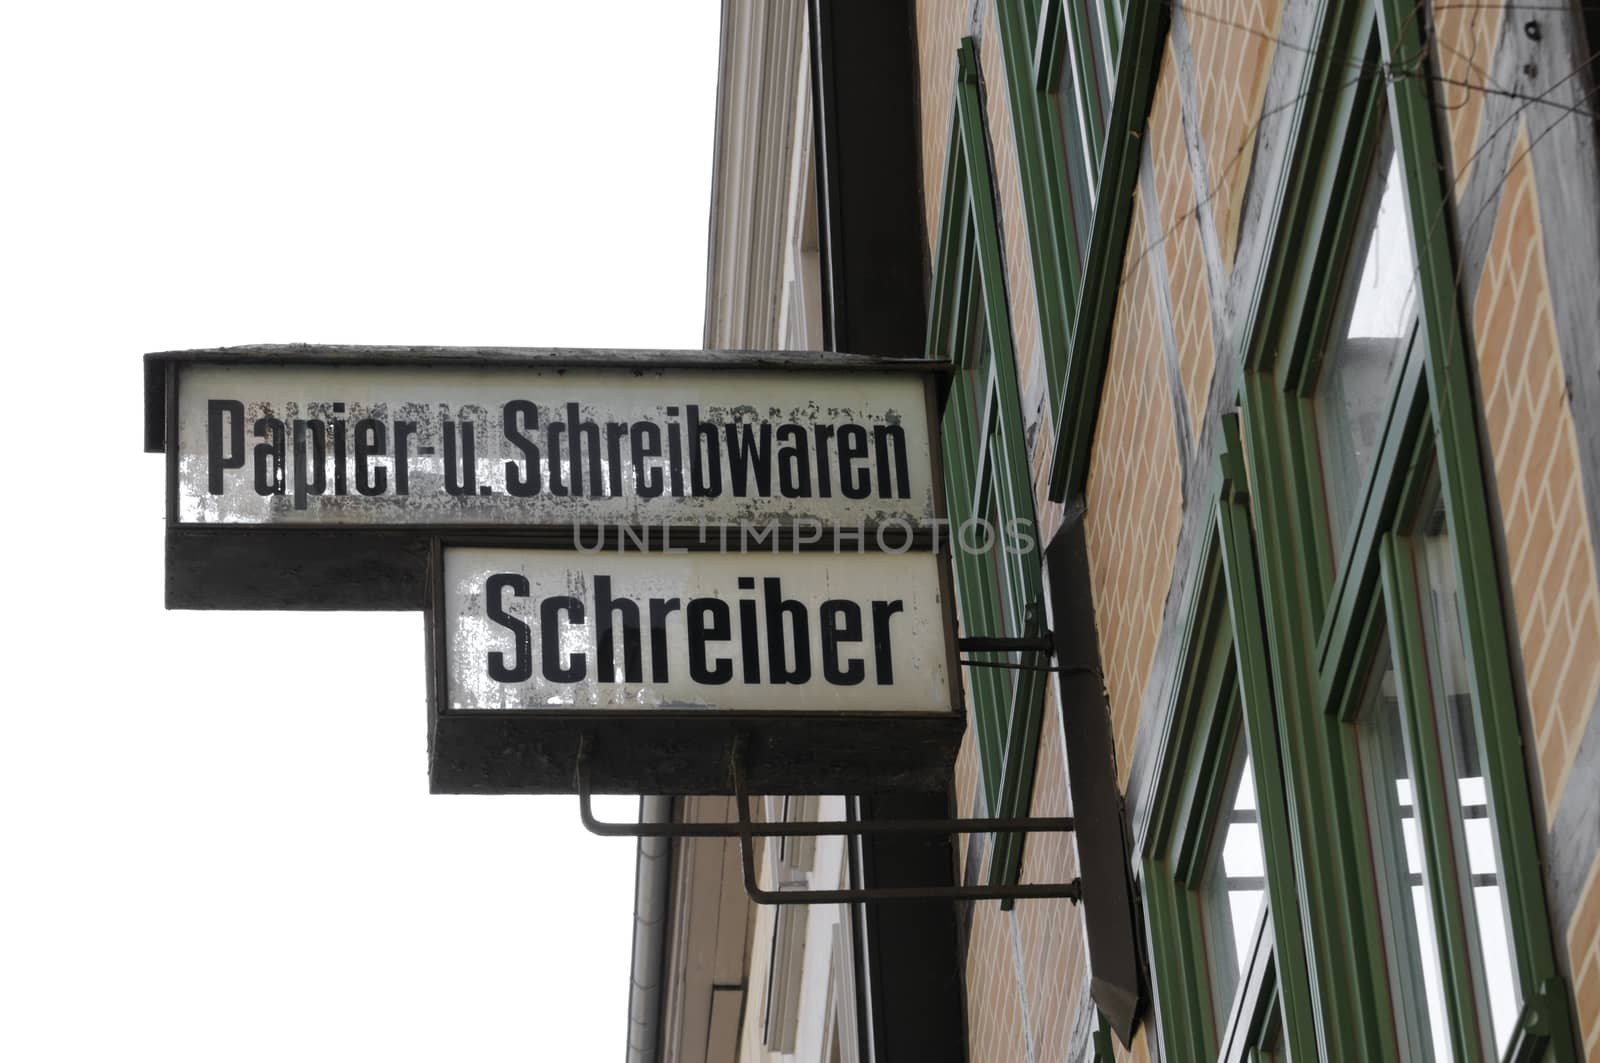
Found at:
<point>811,632</point>
<point>442,445</point>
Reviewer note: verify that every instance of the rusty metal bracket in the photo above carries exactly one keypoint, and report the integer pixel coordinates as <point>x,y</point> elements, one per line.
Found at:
<point>746,829</point>
<point>1041,643</point>
<point>1058,669</point>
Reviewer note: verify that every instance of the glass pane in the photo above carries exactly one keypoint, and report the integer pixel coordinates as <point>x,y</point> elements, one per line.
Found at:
<point>988,542</point>
<point>1358,368</point>
<point>1078,209</point>
<point>1234,886</point>
<point>1271,1047</point>
<point>1469,809</point>
<point>1415,980</point>
<point>1091,50</point>
<point>1113,27</point>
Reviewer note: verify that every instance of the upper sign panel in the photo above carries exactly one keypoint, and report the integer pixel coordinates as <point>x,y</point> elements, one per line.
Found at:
<point>379,445</point>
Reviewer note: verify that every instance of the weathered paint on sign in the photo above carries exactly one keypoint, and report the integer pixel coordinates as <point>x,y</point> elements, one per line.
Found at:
<point>528,630</point>
<point>511,446</point>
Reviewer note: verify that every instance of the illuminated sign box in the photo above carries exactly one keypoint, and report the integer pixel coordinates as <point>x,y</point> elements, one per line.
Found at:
<point>315,477</point>
<point>835,667</point>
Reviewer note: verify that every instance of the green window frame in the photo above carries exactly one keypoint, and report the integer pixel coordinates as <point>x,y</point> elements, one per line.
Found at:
<point>998,578</point>
<point>1072,61</point>
<point>1345,594</point>
<point>1075,71</point>
<point>1220,729</point>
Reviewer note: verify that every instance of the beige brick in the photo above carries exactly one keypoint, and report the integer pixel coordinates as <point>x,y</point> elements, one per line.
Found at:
<point>1583,948</point>
<point>1466,36</point>
<point>1533,443</point>
<point>940,26</point>
<point>1180,242</point>
<point>1232,45</point>
<point>1133,497</point>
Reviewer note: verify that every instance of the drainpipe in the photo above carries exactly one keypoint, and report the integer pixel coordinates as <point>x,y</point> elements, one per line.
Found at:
<point>652,871</point>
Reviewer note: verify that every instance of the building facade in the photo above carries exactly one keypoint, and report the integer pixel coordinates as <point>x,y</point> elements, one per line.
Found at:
<point>1291,312</point>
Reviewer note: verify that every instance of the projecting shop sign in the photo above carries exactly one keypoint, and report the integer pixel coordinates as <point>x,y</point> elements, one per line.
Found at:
<point>635,562</point>
<point>525,637</point>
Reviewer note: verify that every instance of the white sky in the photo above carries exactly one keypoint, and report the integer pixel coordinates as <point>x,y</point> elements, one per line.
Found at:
<point>216,835</point>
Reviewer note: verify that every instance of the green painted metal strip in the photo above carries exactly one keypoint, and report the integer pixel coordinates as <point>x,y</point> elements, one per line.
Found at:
<point>1144,33</point>
<point>1256,695</point>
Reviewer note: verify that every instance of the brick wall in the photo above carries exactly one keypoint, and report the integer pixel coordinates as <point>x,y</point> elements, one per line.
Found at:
<point>1133,496</point>
<point>1535,449</point>
<point>1231,42</point>
<point>1050,932</point>
<point>940,26</point>
<point>1466,36</point>
<point>1583,947</point>
<point>1179,240</point>
<point>1555,598</point>
<point>994,1005</point>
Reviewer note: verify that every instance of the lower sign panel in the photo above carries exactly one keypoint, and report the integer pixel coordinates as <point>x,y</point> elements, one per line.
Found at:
<point>833,668</point>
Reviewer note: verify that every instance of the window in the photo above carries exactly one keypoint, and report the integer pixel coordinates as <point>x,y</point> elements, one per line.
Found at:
<point>791,861</point>
<point>1070,54</point>
<point>1416,982</point>
<point>1232,886</point>
<point>1396,714</point>
<point>994,538</point>
<point>1434,860</point>
<point>1357,369</point>
<point>1075,76</point>
<point>1453,810</point>
<point>1075,71</point>
<point>1215,855</point>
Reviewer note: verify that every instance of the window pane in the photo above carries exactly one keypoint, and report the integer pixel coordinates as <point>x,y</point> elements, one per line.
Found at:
<point>1415,982</point>
<point>1469,808</point>
<point>1079,193</point>
<point>1113,33</point>
<point>1271,1047</point>
<point>1358,368</point>
<point>1234,887</point>
<point>1091,53</point>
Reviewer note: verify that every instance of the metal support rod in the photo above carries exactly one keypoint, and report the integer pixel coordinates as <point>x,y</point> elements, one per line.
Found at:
<point>1007,644</point>
<point>820,828</point>
<point>752,885</point>
<point>746,830</point>
<point>1060,669</point>
<point>811,829</point>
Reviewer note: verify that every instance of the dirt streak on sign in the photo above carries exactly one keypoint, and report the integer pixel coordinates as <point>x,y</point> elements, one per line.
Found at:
<point>294,444</point>
<point>546,629</point>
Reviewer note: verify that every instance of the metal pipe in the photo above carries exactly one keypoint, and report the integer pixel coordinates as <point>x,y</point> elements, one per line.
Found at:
<point>746,830</point>
<point>819,829</point>
<point>1007,644</point>
<point>1059,669</point>
<point>1070,890</point>
<point>652,872</point>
